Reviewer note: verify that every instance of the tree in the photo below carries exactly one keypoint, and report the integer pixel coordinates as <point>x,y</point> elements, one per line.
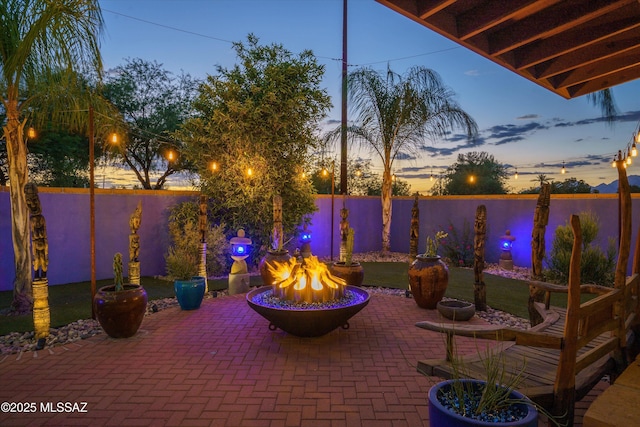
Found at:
<point>259,116</point>
<point>394,114</point>
<point>59,159</point>
<point>154,104</point>
<point>605,101</point>
<point>43,44</point>
<point>361,181</point>
<point>475,173</point>
<point>570,186</point>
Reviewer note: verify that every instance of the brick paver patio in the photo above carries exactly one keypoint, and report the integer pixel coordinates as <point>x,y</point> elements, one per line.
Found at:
<point>220,365</point>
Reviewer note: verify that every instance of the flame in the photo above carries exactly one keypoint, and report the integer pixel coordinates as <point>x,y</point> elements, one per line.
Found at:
<point>309,281</point>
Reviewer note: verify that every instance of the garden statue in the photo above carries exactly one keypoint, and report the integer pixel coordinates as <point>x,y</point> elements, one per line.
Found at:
<point>39,244</point>
<point>540,221</point>
<point>239,276</point>
<point>134,245</point>
<point>305,242</point>
<point>278,233</point>
<point>40,254</point>
<point>202,225</point>
<point>344,232</point>
<point>277,252</point>
<point>414,231</point>
<point>479,288</point>
<point>506,259</point>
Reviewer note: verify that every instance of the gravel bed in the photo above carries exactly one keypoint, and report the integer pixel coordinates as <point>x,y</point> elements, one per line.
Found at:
<point>17,342</point>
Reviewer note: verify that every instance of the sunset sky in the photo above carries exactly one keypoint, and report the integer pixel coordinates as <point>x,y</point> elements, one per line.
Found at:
<point>523,125</point>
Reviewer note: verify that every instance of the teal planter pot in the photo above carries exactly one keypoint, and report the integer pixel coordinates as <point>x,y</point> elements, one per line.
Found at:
<point>190,292</point>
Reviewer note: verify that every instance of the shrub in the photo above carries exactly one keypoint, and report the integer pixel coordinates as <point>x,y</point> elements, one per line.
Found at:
<point>457,248</point>
<point>596,266</point>
<point>185,243</point>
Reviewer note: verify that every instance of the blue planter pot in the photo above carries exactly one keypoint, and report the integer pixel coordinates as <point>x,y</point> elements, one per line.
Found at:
<point>439,415</point>
<point>190,292</point>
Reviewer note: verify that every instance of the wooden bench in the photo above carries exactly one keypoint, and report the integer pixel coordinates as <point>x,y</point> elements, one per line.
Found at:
<point>562,358</point>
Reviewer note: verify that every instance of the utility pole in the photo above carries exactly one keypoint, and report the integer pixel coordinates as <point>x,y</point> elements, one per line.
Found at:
<point>343,134</point>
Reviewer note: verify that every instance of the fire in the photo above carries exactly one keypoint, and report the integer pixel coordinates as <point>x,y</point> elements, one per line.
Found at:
<point>309,281</point>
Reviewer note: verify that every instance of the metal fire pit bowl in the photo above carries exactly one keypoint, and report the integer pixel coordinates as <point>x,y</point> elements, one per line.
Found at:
<point>308,322</point>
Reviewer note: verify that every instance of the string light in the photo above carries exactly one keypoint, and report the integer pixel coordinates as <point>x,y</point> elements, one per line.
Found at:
<point>516,175</point>
<point>114,138</point>
<point>214,167</point>
<point>31,133</point>
<point>249,172</point>
<point>563,170</point>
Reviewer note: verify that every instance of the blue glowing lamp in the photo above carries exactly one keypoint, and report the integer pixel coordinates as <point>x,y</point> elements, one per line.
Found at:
<point>506,243</point>
<point>305,243</point>
<point>305,237</point>
<point>240,246</point>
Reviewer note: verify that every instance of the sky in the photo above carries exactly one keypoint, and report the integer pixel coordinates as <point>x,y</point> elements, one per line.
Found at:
<point>521,124</point>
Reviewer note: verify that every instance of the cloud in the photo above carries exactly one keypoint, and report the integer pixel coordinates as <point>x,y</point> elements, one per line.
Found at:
<point>405,156</point>
<point>629,116</point>
<point>472,73</point>
<point>528,117</point>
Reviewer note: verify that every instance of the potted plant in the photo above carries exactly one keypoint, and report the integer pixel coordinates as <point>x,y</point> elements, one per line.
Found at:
<point>183,262</point>
<point>492,401</point>
<point>352,272</point>
<point>120,307</point>
<point>428,274</point>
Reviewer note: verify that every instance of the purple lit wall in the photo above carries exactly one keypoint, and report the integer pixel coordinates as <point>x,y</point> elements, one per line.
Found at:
<point>67,215</point>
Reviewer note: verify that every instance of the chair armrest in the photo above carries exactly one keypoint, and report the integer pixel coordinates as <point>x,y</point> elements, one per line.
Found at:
<point>495,332</point>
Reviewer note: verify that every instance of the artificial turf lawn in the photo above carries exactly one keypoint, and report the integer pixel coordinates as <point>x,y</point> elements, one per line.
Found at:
<point>71,302</point>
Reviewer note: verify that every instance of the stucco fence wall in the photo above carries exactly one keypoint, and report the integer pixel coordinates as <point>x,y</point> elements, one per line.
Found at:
<point>67,215</point>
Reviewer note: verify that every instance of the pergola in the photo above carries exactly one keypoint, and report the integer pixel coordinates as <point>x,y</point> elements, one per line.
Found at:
<point>571,47</point>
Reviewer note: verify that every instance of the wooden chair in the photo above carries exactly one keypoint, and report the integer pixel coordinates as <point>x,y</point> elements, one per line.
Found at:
<point>562,358</point>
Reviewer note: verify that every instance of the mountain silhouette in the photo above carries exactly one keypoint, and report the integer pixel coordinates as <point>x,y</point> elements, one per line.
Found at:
<point>612,187</point>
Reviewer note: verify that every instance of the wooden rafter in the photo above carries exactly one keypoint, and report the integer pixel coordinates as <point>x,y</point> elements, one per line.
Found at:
<point>572,47</point>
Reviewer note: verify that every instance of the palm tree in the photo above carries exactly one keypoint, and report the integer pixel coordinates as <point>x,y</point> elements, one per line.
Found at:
<point>604,99</point>
<point>395,114</point>
<point>43,46</point>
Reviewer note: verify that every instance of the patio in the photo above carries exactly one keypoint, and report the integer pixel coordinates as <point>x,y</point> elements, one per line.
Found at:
<point>220,365</point>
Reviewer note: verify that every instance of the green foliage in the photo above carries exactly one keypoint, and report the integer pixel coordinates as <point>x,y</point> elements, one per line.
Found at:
<point>261,114</point>
<point>183,257</point>
<point>458,248</point>
<point>154,104</point>
<point>433,243</point>
<point>568,186</point>
<point>596,266</point>
<point>361,180</point>
<point>474,173</point>
<point>117,272</point>
<point>59,159</point>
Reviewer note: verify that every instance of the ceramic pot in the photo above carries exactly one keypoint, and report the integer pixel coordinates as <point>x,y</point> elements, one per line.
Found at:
<point>428,280</point>
<point>190,292</point>
<point>440,415</point>
<point>353,274</point>
<point>272,256</point>
<point>120,313</point>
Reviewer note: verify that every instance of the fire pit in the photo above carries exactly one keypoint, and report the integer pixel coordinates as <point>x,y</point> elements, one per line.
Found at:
<point>305,300</point>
